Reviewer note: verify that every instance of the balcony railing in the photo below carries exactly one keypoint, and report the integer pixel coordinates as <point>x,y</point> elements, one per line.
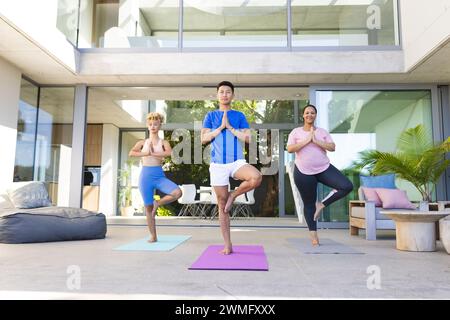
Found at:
<point>214,25</point>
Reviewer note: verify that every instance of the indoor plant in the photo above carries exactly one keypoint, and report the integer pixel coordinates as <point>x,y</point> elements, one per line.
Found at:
<point>417,160</point>
<point>125,204</point>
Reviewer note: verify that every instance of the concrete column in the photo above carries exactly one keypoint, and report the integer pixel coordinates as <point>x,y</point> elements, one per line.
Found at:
<point>78,138</point>
<point>10,78</point>
<point>65,158</point>
<point>110,164</point>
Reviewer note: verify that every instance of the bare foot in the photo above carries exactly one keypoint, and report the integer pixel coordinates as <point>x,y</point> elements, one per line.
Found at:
<point>315,241</point>
<point>314,238</point>
<point>152,239</point>
<point>227,250</point>
<point>319,207</point>
<point>229,203</point>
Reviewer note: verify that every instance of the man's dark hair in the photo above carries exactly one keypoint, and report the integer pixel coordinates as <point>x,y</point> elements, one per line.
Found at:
<point>226,83</point>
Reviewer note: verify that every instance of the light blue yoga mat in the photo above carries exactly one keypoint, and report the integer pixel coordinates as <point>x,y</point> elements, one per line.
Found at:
<point>164,243</point>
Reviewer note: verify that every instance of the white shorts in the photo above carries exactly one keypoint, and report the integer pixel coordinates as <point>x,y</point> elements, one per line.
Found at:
<point>220,173</point>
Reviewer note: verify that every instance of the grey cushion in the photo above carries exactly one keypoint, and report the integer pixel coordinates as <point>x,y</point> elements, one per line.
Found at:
<point>26,195</point>
<point>50,224</point>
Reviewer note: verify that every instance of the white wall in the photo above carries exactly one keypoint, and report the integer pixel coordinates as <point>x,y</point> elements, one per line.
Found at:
<point>10,78</point>
<point>110,161</point>
<point>37,19</point>
<point>190,63</point>
<point>425,27</point>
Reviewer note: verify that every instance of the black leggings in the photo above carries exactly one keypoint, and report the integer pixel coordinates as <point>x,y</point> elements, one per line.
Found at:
<point>307,186</point>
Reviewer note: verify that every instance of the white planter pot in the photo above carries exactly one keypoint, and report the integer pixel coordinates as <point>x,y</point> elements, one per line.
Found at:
<point>127,211</point>
<point>444,232</point>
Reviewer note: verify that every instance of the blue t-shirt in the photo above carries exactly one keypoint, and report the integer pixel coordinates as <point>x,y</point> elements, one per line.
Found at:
<point>225,147</point>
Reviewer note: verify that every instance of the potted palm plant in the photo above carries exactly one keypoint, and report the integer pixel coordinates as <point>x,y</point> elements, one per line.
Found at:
<point>417,160</point>
<point>126,208</point>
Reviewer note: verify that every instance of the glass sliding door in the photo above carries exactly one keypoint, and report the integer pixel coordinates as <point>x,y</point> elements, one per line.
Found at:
<point>44,138</point>
<point>54,142</point>
<point>130,202</point>
<point>26,132</point>
<point>115,122</point>
<point>368,119</point>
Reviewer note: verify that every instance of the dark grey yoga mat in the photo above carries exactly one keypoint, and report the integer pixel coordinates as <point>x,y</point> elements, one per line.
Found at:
<point>327,246</point>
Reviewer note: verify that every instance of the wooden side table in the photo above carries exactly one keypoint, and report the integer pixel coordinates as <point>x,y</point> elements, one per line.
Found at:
<point>415,230</point>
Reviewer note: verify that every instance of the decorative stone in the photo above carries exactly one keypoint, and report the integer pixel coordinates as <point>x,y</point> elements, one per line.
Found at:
<point>415,230</point>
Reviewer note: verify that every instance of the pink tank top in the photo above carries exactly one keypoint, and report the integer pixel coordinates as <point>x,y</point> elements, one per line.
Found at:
<point>152,160</point>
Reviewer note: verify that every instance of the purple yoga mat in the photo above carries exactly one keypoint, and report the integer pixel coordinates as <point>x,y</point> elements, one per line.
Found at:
<point>242,258</point>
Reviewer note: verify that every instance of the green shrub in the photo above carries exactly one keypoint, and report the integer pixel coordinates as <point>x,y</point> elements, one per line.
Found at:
<point>164,212</point>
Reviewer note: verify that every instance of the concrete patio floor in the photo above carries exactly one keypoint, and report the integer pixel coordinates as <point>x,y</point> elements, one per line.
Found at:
<point>40,271</point>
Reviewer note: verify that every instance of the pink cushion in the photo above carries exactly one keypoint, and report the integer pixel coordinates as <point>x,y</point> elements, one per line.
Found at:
<point>394,199</point>
<point>370,194</point>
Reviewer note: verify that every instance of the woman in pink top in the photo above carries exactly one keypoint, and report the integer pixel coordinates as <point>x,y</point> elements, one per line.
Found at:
<point>312,166</point>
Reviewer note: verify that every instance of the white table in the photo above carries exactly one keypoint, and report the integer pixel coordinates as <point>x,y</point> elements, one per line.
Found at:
<point>415,230</point>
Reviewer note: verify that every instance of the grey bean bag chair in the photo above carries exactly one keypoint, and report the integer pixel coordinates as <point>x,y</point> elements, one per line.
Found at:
<point>50,224</point>
<point>26,215</point>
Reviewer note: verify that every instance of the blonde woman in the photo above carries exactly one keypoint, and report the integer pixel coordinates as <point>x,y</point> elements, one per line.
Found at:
<point>152,151</point>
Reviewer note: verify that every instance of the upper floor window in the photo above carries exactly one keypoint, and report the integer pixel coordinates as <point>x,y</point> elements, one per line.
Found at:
<point>206,24</point>
<point>344,23</point>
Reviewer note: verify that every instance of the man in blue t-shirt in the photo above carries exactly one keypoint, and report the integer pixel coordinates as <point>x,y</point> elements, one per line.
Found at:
<point>224,128</point>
